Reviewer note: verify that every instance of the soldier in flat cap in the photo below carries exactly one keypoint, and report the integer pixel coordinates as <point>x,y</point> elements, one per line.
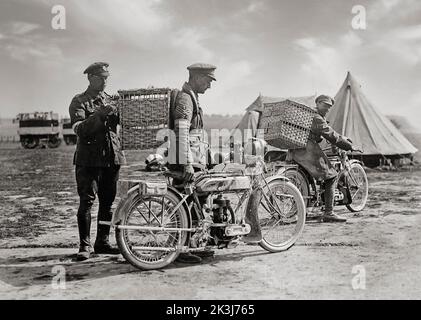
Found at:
<point>315,161</point>
<point>97,158</point>
<point>189,153</point>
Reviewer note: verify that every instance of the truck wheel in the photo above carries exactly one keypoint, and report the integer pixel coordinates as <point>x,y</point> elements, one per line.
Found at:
<point>29,142</point>
<point>70,140</point>
<point>54,142</point>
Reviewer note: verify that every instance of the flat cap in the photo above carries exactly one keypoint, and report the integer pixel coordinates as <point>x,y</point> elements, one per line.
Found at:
<point>203,68</point>
<point>98,68</point>
<point>325,99</point>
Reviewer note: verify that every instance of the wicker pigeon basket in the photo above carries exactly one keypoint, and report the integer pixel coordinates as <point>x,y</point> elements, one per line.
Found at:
<point>143,112</point>
<point>286,124</point>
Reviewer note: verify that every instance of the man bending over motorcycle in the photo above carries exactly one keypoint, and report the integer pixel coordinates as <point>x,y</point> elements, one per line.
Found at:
<point>188,153</point>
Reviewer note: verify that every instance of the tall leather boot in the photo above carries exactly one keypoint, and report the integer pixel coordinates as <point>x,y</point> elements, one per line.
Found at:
<point>329,215</point>
<point>84,226</point>
<point>102,244</point>
<point>252,218</point>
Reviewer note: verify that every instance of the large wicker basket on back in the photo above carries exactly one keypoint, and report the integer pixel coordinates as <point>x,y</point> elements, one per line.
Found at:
<point>143,112</point>
<point>286,124</point>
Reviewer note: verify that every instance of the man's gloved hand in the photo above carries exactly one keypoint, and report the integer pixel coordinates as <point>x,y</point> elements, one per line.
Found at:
<point>188,173</point>
<point>107,109</point>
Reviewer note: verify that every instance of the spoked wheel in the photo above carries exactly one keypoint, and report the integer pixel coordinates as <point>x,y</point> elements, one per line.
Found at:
<point>151,248</point>
<point>358,186</point>
<point>282,215</point>
<point>298,178</point>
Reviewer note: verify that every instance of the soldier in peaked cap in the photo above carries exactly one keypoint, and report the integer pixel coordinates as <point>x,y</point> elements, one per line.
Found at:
<point>97,158</point>
<point>189,152</point>
<point>98,68</point>
<point>186,118</point>
<point>315,161</point>
<point>203,69</point>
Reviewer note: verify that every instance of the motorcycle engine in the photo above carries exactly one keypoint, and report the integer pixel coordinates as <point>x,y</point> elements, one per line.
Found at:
<point>342,192</point>
<point>222,214</point>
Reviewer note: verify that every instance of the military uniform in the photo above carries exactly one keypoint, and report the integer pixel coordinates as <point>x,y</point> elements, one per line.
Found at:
<point>312,157</point>
<point>186,120</point>
<point>188,145</point>
<point>314,160</point>
<point>97,158</point>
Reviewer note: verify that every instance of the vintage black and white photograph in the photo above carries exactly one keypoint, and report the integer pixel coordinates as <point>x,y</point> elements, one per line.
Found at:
<point>210,150</point>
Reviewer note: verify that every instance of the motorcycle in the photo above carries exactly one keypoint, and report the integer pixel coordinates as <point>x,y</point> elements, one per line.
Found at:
<point>156,220</point>
<point>351,187</point>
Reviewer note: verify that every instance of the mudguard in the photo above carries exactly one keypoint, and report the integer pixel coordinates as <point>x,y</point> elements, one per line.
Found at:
<point>127,199</point>
<point>278,176</point>
<point>356,161</point>
<point>310,180</point>
<point>282,170</point>
<point>343,174</point>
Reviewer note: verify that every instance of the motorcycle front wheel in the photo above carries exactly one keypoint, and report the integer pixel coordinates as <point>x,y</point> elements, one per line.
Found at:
<point>358,186</point>
<point>282,215</point>
<point>152,248</point>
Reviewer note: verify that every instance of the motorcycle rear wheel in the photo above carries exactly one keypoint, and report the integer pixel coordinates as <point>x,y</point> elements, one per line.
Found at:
<point>298,178</point>
<point>151,211</point>
<point>282,216</point>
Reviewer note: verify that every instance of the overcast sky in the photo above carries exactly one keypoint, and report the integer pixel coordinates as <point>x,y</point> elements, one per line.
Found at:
<point>273,47</point>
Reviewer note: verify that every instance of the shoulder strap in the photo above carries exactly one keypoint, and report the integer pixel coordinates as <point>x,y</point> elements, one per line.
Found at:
<point>173,98</point>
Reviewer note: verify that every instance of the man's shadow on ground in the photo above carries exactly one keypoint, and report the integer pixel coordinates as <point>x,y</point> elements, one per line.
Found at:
<point>42,270</point>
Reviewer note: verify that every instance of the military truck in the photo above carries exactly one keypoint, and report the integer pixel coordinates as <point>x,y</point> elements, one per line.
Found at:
<point>69,135</point>
<point>39,129</point>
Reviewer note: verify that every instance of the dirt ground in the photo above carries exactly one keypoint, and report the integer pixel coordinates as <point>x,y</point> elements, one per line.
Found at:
<point>376,254</point>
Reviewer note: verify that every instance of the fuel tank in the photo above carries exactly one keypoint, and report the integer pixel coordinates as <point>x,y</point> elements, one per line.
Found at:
<point>223,183</point>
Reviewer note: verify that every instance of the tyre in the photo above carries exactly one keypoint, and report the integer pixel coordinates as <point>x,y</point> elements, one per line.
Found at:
<point>29,142</point>
<point>358,186</point>
<point>54,142</point>
<point>282,215</point>
<point>69,140</point>
<point>298,178</point>
<point>151,211</point>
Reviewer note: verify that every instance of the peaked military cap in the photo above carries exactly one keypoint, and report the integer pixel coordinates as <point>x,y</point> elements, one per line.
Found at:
<point>98,68</point>
<point>203,68</point>
<point>325,99</point>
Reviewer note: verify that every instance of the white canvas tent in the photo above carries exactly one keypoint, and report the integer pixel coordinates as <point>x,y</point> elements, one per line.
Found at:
<point>355,117</point>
